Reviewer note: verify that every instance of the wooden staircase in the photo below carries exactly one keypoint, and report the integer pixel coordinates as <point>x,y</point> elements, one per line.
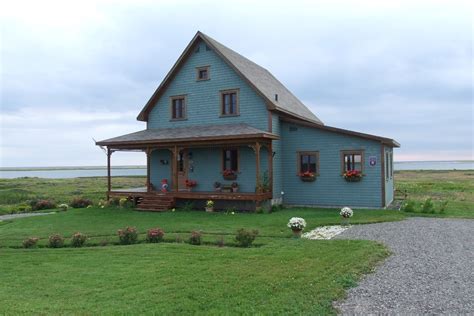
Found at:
<point>155,203</point>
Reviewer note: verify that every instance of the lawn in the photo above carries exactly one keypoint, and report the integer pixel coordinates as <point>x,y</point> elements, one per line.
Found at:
<point>279,275</point>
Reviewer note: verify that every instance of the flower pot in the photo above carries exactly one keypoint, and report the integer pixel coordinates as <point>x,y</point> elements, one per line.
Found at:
<point>308,179</point>
<point>345,221</point>
<point>235,190</point>
<point>230,177</point>
<point>209,209</point>
<point>297,233</point>
<point>353,179</point>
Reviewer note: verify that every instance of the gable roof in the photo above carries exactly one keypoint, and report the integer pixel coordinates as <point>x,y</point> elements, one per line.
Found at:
<point>260,79</point>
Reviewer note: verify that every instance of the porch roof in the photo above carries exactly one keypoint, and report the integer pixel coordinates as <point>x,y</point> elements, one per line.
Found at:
<point>189,134</point>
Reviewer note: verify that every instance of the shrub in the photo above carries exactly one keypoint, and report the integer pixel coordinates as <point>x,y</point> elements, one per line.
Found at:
<point>113,201</point>
<point>409,206</point>
<point>37,205</point>
<point>128,235</point>
<point>24,208</point>
<point>63,207</point>
<point>195,238</point>
<point>428,206</point>
<point>125,203</point>
<point>245,237</point>
<point>154,235</point>
<point>80,202</point>
<point>442,207</point>
<point>30,242</point>
<point>78,240</point>
<point>220,241</point>
<point>56,241</point>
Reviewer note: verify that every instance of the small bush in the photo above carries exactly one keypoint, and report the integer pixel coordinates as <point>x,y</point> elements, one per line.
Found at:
<point>125,203</point>
<point>442,207</point>
<point>409,206</point>
<point>427,206</point>
<point>56,241</point>
<point>63,207</point>
<point>30,242</point>
<point>188,206</point>
<point>37,205</point>
<point>80,202</point>
<point>113,202</point>
<point>220,241</point>
<point>195,238</point>
<point>245,237</point>
<point>24,208</point>
<point>128,235</point>
<point>78,240</point>
<point>154,235</point>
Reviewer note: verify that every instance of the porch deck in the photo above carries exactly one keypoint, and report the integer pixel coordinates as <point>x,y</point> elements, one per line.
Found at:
<point>236,196</point>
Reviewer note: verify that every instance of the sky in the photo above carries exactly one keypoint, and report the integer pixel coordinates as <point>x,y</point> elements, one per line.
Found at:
<point>74,71</point>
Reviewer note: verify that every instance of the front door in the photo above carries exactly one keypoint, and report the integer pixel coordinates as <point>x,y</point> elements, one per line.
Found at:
<point>182,169</point>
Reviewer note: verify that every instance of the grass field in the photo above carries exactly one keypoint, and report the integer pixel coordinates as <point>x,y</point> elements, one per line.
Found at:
<point>455,187</point>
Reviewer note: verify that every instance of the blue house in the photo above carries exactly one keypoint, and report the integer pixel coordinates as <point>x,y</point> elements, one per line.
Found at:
<point>220,127</point>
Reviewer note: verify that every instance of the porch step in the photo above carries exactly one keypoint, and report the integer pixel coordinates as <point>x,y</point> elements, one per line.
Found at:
<point>155,203</point>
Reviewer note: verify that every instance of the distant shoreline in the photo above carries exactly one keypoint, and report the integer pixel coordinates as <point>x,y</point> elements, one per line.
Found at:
<point>144,166</point>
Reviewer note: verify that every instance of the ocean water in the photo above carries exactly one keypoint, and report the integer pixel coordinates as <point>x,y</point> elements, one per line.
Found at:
<point>68,172</point>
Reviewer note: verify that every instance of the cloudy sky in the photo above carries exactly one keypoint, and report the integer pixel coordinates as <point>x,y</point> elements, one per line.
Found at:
<point>73,71</point>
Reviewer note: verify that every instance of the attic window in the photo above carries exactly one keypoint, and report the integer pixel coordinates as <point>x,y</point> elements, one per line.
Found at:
<point>202,73</point>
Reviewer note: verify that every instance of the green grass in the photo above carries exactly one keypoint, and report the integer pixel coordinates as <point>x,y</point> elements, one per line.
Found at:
<point>455,187</point>
<point>280,275</point>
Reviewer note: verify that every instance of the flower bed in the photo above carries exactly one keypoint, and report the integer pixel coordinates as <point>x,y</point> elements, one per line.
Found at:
<point>352,176</point>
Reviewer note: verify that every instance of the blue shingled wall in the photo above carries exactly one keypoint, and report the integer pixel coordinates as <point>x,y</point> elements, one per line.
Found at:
<point>277,159</point>
<point>330,188</point>
<point>203,97</point>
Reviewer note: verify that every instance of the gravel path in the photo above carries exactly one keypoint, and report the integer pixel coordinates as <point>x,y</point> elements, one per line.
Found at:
<point>431,270</point>
<point>13,216</point>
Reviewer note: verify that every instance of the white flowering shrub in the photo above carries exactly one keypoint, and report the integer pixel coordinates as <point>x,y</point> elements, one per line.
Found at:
<point>63,207</point>
<point>296,223</point>
<point>346,212</point>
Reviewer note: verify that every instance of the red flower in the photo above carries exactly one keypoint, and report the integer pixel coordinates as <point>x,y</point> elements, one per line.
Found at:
<point>307,174</point>
<point>228,172</point>
<point>190,183</point>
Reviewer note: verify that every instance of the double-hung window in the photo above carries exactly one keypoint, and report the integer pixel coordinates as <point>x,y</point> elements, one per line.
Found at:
<point>229,102</point>
<point>308,162</point>
<point>178,108</point>
<point>230,159</point>
<point>352,160</point>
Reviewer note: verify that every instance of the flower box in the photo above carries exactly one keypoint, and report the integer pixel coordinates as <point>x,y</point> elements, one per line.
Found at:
<point>307,179</point>
<point>353,179</point>
<point>230,177</point>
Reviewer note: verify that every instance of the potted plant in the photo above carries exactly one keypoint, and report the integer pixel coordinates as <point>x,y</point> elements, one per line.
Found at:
<point>235,187</point>
<point>346,213</point>
<point>217,186</point>
<point>210,206</point>
<point>229,174</point>
<point>307,176</point>
<point>190,184</point>
<point>297,224</point>
<point>352,176</point>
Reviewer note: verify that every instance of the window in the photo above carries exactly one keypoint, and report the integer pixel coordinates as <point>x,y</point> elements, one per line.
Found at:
<point>308,161</point>
<point>352,160</point>
<point>230,159</point>
<point>178,108</point>
<point>202,73</point>
<point>229,103</point>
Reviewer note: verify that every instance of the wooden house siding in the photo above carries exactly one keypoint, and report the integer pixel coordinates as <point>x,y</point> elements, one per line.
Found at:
<point>207,168</point>
<point>330,188</point>
<point>203,98</point>
<point>277,159</point>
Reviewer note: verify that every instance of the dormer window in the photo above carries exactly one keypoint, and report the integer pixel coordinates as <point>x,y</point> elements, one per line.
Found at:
<point>178,107</point>
<point>229,102</point>
<point>202,73</point>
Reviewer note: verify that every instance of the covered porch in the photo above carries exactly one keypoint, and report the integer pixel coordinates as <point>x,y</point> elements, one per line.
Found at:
<point>229,164</point>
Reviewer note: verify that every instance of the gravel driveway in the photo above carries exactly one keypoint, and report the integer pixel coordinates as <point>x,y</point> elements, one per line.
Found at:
<point>431,270</point>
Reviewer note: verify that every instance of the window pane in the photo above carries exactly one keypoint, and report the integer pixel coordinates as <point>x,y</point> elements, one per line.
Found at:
<point>233,160</point>
<point>352,162</point>
<point>203,74</point>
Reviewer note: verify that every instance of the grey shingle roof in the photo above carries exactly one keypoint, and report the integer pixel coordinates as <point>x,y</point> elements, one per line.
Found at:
<point>258,77</point>
<point>191,133</point>
<point>265,82</point>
